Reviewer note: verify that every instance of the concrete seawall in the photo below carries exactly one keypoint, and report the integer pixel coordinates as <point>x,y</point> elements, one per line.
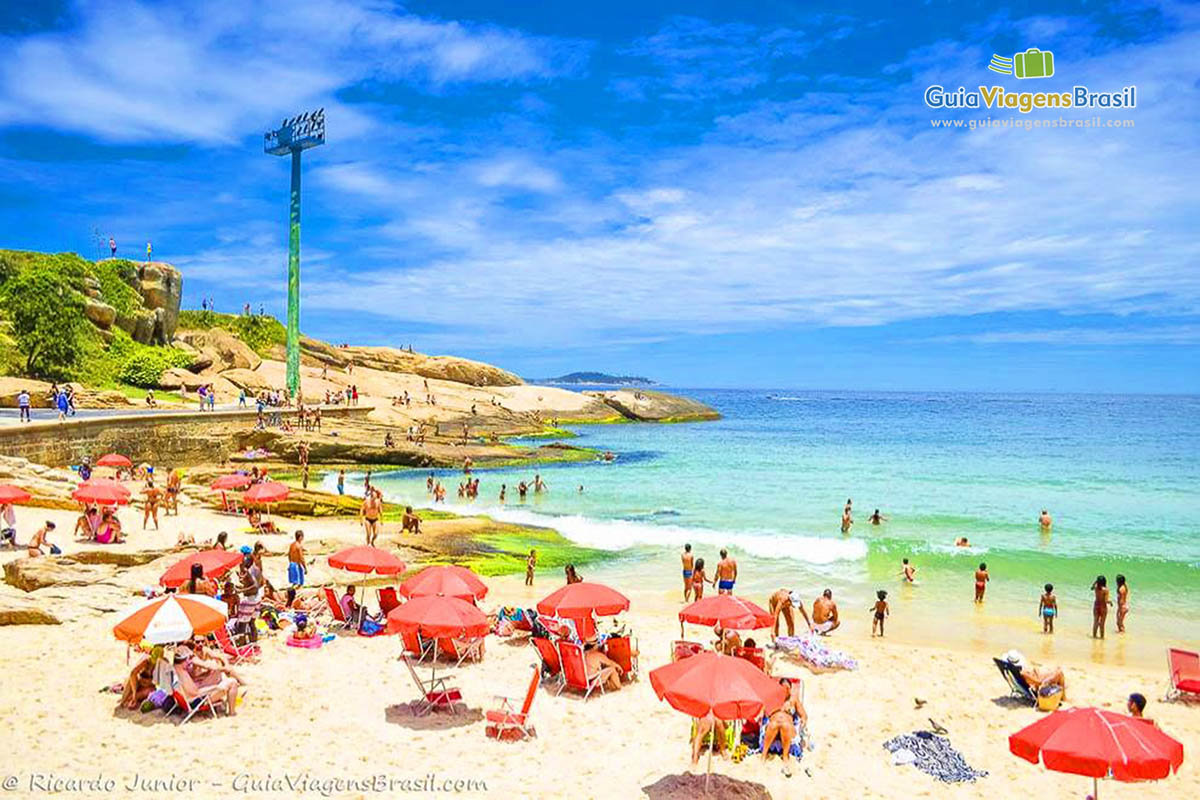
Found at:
<point>175,438</point>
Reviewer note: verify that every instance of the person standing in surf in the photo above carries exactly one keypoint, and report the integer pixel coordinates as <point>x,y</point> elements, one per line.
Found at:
<point>1122,602</point>
<point>689,564</point>
<point>727,573</point>
<point>1100,606</point>
<point>981,581</point>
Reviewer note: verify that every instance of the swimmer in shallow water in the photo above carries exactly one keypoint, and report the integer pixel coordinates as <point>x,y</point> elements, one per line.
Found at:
<point>877,518</point>
<point>962,541</point>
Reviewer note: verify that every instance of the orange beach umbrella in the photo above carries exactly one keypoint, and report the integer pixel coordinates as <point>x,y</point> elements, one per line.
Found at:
<point>170,618</point>
<point>576,600</point>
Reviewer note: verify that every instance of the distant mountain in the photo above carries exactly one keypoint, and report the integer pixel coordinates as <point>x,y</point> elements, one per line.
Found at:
<point>600,379</point>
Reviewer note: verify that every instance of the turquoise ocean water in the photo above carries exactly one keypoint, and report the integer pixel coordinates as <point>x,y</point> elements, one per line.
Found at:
<point>1119,474</point>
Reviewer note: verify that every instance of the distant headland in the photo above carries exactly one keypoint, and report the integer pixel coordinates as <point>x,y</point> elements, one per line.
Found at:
<point>599,379</point>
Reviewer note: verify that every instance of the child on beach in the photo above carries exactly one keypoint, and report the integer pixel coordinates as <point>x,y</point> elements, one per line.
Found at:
<point>981,579</point>
<point>698,579</point>
<point>1122,602</point>
<point>908,571</point>
<point>881,610</point>
<point>530,563</point>
<point>1048,609</point>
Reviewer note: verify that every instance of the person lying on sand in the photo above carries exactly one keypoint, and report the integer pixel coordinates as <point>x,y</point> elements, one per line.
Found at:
<point>825,613</point>
<point>781,604</point>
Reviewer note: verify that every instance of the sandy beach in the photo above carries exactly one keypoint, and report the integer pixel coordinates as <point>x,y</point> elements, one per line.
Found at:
<point>342,713</point>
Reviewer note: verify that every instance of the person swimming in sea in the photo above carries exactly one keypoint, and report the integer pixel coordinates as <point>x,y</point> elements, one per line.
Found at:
<point>689,563</point>
<point>877,518</point>
<point>1048,609</point>
<point>1045,521</point>
<point>962,541</point>
<point>908,571</point>
<point>847,519</point>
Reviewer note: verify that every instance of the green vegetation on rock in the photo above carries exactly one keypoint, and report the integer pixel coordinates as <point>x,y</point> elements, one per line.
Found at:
<point>258,331</point>
<point>44,315</point>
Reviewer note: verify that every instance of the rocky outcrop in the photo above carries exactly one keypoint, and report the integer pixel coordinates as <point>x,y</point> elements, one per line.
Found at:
<point>173,378</point>
<point>644,406</point>
<point>100,314</point>
<point>161,287</point>
<point>220,349</point>
<point>31,574</point>
<point>19,612</point>
<point>246,379</point>
<point>390,359</point>
<point>39,394</point>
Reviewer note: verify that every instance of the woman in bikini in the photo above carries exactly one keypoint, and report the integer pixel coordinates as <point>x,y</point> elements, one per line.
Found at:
<point>1122,602</point>
<point>698,579</point>
<point>1100,606</point>
<point>782,724</point>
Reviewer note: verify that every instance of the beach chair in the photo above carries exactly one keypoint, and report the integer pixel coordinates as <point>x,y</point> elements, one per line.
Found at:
<point>415,646</point>
<point>1184,667</point>
<point>335,608</point>
<point>683,649</point>
<point>755,655</point>
<point>507,718</point>
<point>548,653</point>
<point>1017,687</point>
<point>462,649</point>
<point>574,669</point>
<point>623,650</point>
<point>237,652</point>
<point>388,601</point>
<point>434,692</point>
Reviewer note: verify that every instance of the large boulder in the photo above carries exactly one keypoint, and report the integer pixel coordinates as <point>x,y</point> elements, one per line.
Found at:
<point>173,378</point>
<point>39,392</point>
<point>31,574</point>
<point>247,379</point>
<point>644,406</point>
<point>161,287</point>
<point>224,350</point>
<point>20,612</point>
<point>101,314</point>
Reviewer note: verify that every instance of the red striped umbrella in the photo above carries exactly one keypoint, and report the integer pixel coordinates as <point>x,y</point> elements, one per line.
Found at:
<point>266,492</point>
<point>215,563</point>
<point>113,460</point>
<point>445,579</point>
<point>13,494</point>
<point>365,558</point>
<point>103,491</point>
<point>437,617</point>
<point>1098,744</point>
<point>170,618</point>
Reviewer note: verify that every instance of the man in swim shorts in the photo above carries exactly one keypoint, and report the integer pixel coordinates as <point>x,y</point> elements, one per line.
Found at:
<point>726,573</point>
<point>781,604</point>
<point>689,565</point>
<point>372,507</point>
<point>296,562</point>
<point>825,614</point>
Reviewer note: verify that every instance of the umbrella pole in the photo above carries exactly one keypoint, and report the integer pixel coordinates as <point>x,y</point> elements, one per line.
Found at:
<point>712,744</point>
<point>1095,788</point>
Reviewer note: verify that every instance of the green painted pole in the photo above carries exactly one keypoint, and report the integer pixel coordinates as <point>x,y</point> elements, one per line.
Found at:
<point>293,316</point>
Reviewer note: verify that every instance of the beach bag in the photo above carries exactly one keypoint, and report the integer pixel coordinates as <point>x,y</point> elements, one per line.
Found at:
<point>1049,698</point>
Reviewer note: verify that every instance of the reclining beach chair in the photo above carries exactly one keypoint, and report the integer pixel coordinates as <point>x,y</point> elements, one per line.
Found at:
<point>574,669</point>
<point>388,601</point>
<point>236,652</point>
<point>462,649</point>
<point>1017,687</point>
<point>416,646</point>
<point>548,654</point>
<point>335,608</point>
<point>507,718</point>
<point>1184,667</point>
<point>434,692</point>
<point>623,650</point>
<point>755,655</point>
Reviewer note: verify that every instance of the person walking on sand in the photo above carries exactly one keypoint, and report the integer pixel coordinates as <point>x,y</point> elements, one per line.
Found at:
<point>981,580</point>
<point>530,564</point>
<point>1122,602</point>
<point>881,612</point>
<point>1048,609</point>
<point>689,566</point>
<point>781,604</point>
<point>297,564</point>
<point>727,573</point>
<point>1100,606</point>
<point>150,504</point>
<point>825,614</point>
<point>908,571</point>
<point>372,507</point>
<point>1045,521</point>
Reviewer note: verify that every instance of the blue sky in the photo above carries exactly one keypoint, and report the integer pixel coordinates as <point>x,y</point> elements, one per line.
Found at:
<point>711,194</point>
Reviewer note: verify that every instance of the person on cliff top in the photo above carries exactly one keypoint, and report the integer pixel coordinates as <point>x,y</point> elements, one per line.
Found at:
<point>112,247</point>
<point>149,252</point>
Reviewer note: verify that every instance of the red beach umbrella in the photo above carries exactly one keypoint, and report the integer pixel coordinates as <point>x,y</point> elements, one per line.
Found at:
<point>12,494</point>
<point>724,687</point>
<point>113,460</point>
<point>447,580</point>
<point>1099,744</point>
<point>582,600</point>
<point>231,482</point>
<point>731,613</point>
<point>365,558</point>
<point>103,491</point>
<point>214,562</point>
<point>438,617</point>
<point>266,492</point>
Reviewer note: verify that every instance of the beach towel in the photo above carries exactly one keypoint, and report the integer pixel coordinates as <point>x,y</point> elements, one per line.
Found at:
<point>814,651</point>
<point>934,756</point>
<point>312,643</point>
<point>799,739</point>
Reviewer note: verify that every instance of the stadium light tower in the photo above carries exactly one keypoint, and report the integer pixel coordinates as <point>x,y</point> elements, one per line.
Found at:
<point>294,136</point>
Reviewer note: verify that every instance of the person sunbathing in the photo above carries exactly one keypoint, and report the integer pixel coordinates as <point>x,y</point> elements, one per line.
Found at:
<point>258,523</point>
<point>598,663</point>
<point>303,631</point>
<point>727,641</point>
<point>199,678</point>
<point>139,684</point>
<point>782,722</point>
<point>704,726</point>
<point>1038,677</point>
<point>109,529</point>
<point>87,524</point>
